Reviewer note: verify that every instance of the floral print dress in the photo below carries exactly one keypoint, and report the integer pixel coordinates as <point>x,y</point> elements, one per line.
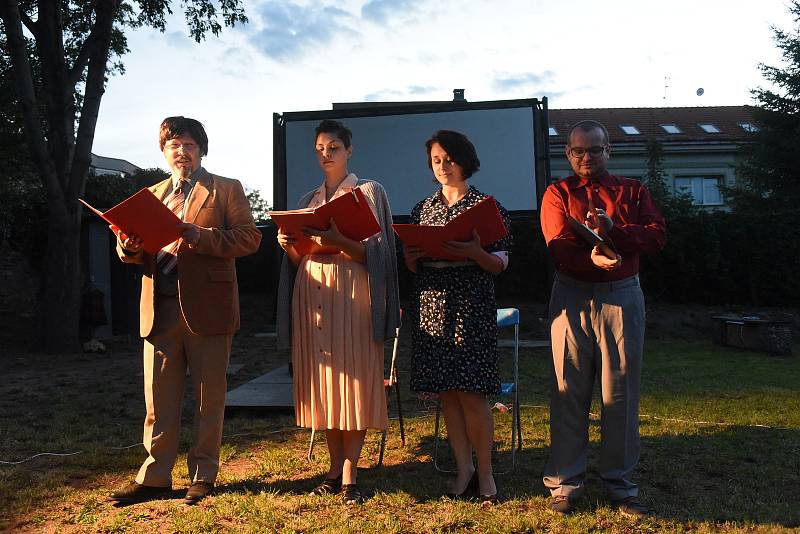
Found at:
<point>453,311</point>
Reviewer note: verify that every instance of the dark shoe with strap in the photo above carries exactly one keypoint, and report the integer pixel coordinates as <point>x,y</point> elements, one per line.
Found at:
<point>561,504</point>
<point>631,507</point>
<point>489,500</point>
<point>471,490</point>
<point>135,492</point>
<point>328,486</point>
<point>198,491</point>
<point>351,494</point>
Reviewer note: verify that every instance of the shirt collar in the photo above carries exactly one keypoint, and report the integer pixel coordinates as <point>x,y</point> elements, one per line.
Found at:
<point>191,180</point>
<point>577,182</point>
<point>349,182</point>
<point>438,197</point>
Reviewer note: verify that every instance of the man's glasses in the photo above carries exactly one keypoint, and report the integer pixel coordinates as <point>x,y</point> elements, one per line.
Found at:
<point>593,151</point>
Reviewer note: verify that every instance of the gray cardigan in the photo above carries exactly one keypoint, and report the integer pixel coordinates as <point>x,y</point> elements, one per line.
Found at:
<point>381,262</point>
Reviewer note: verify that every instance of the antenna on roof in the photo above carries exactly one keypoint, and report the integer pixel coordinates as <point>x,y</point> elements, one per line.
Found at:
<point>666,84</point>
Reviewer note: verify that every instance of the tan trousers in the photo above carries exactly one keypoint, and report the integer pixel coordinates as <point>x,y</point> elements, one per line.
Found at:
<point>168,351</point>
<point>596,330</point>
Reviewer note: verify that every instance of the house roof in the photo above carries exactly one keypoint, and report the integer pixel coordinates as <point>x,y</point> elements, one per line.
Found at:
<point>113,164</point>
<point>649,121</point>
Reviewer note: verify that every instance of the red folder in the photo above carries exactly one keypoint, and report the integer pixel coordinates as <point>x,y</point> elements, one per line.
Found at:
<point>353,216</point>
<point>144,216</point>
<point>483,217</point>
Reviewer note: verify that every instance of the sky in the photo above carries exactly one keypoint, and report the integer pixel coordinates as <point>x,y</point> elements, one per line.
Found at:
<point>303,56</point>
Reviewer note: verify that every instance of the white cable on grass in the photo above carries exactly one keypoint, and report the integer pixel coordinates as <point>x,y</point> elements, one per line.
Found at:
<point>288,429</point>
<point>40,454</point>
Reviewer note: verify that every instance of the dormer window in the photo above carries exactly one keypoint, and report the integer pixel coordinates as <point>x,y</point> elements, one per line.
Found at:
<point>671,128</point>
<point>630,129</point>
<point>748,127</point>
<point>709,128</point>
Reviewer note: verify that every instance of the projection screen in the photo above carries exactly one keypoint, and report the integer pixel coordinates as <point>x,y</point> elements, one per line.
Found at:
<point>389,147</point>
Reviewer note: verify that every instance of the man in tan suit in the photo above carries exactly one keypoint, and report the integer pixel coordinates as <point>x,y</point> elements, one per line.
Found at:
<point>189,311</point>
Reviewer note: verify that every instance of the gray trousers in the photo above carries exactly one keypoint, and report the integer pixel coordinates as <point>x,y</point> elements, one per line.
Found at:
<point>596,329</point>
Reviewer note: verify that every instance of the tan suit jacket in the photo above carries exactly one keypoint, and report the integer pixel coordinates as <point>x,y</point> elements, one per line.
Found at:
<point>207,288</point>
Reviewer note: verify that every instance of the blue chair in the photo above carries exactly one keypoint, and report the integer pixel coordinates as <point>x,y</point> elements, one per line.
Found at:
<point>506,317</point>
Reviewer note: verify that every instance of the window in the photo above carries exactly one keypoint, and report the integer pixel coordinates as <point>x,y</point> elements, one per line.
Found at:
<point>630,129</point>
<point>552,131</point>
<point>671,128</point>
<point>709,128</point>
<point>748,127</point>
<point>704,190</point>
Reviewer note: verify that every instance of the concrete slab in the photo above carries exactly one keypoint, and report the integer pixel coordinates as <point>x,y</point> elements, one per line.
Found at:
<point>524,343</point>
<point>234,368</point>
<point>272,390</point>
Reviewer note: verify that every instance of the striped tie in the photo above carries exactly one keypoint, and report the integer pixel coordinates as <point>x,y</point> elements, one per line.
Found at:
<point>167,257</point>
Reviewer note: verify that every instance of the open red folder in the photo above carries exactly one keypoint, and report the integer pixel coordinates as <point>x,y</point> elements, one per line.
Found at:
<point>144,216</point>
<point>483,217</point>
<point>351,212</point>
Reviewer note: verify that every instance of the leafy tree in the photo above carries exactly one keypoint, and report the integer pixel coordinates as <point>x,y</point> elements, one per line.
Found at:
<point>59,71</point>
<point>767,191</point>
<point>688,267</point>
<point>22,201</point>
<point>259,206</point>
<point>147,177</point>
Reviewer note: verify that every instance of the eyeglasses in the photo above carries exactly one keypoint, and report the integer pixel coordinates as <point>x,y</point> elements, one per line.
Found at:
<point>593,151</point>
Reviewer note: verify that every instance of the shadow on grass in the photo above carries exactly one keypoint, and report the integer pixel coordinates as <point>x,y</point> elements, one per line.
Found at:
<point>737,473</point>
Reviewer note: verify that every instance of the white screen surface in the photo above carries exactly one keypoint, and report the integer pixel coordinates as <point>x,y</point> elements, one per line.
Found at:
<point>390,149</point>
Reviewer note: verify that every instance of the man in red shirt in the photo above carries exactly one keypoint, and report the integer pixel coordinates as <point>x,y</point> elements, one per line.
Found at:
<point>597,319</point>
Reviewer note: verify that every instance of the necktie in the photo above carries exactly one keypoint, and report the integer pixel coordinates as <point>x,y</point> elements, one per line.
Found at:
<point>167,257</point>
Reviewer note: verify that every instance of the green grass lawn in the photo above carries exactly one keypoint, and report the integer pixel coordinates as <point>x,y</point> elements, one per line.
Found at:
<point>720,432</point>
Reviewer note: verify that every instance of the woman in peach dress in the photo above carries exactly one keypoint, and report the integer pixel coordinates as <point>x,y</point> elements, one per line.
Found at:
<point>341,308</point>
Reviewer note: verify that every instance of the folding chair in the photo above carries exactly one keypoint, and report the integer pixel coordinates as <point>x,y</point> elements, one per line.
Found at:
<point>505,317</point>
<point>389,384</point>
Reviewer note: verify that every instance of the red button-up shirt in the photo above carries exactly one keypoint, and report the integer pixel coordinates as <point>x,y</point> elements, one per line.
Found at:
<point>638,224</point>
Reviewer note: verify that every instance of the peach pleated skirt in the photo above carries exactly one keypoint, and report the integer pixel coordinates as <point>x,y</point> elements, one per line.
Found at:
<point>338,366</point>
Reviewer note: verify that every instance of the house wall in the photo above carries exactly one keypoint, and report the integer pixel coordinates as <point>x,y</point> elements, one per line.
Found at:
<point>679,161</point>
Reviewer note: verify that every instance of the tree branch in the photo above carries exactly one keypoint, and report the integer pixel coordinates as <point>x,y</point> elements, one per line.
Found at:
<point>74,74</point>
<point>18,50</point>
<point>28,22</point>
<point>95,87</point>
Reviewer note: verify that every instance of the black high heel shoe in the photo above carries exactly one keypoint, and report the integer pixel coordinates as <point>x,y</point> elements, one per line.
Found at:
<point>469,491</point>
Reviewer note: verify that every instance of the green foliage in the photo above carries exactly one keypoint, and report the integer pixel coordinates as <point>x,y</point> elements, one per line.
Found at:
<point>767,191</point>
<point>259,206</point>
<point>680,272</point>
<point>147,177</point>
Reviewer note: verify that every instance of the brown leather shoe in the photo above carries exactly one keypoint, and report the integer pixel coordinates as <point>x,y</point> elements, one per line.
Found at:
<point>561,504</point>
<point>135,492</point>
<point>631,507</point>
<point>198,491</point>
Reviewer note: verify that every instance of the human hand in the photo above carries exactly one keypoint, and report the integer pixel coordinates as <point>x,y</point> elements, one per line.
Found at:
<point>286,240</point>
<point>601,261</point>
<point>599,221</point>
<point>466,249</point>
<point>131,243</point>
<point>190,233</point>
<point>331,237</point>
<point>411,256</point>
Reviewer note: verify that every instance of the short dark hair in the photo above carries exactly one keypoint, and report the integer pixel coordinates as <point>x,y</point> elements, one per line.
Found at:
<point>458,147</point>
<point>588,126</point>
<point>336,128</point>
<point>173,127</point>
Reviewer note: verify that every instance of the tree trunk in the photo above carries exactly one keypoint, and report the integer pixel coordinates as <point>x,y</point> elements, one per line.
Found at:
<point>59,294</point>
